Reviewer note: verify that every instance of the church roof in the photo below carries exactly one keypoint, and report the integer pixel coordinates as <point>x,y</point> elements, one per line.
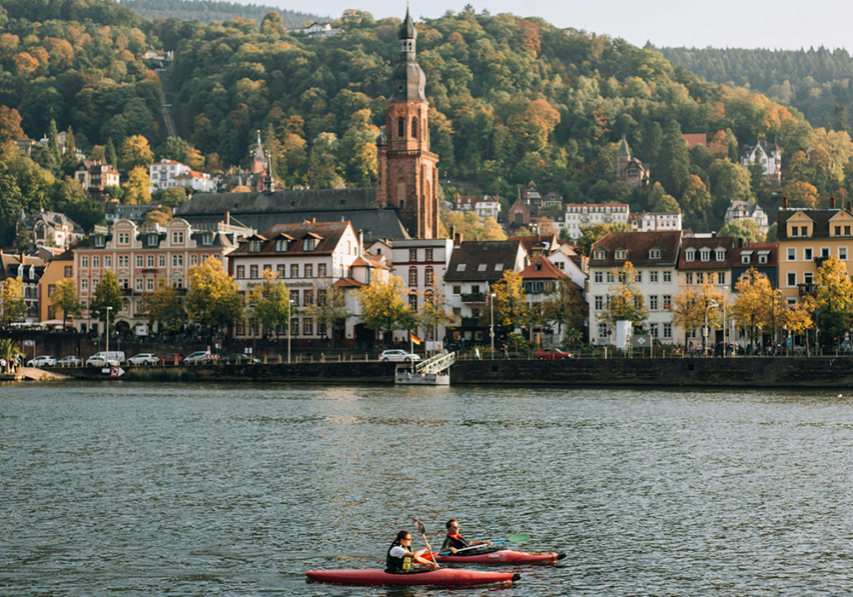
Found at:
<point>407,29</point>
<point>623,148</point>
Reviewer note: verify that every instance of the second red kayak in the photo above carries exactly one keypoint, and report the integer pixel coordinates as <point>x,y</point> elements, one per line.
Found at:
<point>441,577</point>
<point>504,556</point>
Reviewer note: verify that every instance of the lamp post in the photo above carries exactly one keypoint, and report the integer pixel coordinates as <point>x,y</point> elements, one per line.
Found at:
<point>492,326</point>
<point>108,335</point>
<point>715,305</point>
<point>725,322</point>
<point>817,331</point>
<point>289,323</point>
<point>97,336</point>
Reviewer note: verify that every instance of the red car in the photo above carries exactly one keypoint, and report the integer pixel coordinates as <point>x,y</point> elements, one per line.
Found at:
<point>546,354</point>
<point>172,359</point>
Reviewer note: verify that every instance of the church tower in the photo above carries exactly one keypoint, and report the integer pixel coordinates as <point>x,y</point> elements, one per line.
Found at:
<point>407,170</point>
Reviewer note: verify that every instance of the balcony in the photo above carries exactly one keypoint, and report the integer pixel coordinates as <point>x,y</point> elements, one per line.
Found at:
<point>479,297</point>
<point>470,322</point>
<point>820,260</point>
<point>807,289</point>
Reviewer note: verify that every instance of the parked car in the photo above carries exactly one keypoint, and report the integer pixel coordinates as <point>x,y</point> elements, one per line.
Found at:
<point>239,359</point>
<point>199,358</point>
<point>172,359</point>
<point>398,355</point>
<point>70,361</point>
<point>143,358</point>
<point>103,359</point>
<point>547,354</point>
<point>42,361</point>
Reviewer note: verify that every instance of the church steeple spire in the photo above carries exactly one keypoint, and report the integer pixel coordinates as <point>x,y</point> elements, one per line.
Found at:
<point>408,80</point>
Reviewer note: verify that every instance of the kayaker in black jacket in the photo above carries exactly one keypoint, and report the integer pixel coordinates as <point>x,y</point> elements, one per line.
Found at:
<point>454,540</point>
<point>400,557</point>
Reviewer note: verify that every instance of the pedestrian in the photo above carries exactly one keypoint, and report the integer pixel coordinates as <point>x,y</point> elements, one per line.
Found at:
<point>505,351</point>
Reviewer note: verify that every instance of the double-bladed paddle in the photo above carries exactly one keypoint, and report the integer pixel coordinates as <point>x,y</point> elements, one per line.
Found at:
<point>422,530</point>
<point>520,538</point>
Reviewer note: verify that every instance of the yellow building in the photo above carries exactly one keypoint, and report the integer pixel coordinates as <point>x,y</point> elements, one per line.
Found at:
<point>57,269</point>
<point>806,238</point>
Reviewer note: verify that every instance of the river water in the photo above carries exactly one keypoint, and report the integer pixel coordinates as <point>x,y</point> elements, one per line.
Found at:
<point>129,489</point>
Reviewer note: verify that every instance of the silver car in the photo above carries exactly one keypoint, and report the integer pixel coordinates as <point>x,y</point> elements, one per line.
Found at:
<point>144,358</point>
<point>42,361</point>
<point>399,355</point>
<point>70,361</point>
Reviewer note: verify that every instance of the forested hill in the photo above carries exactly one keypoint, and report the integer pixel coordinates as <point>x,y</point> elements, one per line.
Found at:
<point>812,81</point>
<point>207,11</point>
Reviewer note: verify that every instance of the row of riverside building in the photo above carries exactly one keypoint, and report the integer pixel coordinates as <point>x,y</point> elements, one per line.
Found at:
<point>310,257</point>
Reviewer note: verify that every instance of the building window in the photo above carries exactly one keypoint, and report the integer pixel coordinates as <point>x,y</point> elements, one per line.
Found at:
<point>149,284</point>
<point>253,271</point>
<point>653,328</point>
<point>598,254</point>
<point>621,254</point>
<point>610,277</point>
<point>721,254</point>
<point>123,238</point>
<point>193,259</point>
<point>294,296</point>
<point>124,260</point>
<point>207,238</point>
<point>705,255</point>
<point>653,302</point>
<point>100,241</point>
<point>84,285</point>
<point>177,238</point>
<point>69,271</point>
<point>762,259</point>
<point>847,231</point>
<point>401,128</point>
<point>808,254</point>
<point>309,270</point>
<point>241,271</point>
<point>842,254</point>
<point>413,302</point>
<point>792,254</point>
<point>162,261</point>
<point>804,231</point>
<point>653,277</point>
<point>792,278</point>
<point>429,254</point>
<point>308,326</point>
<point>430,276</point>
<point>309,244</point>
<point>281,245</point>
<point>308,299</point>
<point>690,255</point>
<point>294,270</point>
<point>667,330</point>
<point>457,290</point>
<point>700,278</point>
<point>721,277</point>
<point>321,270</point>
<point>599,302</point>
<point>413,276</point>
<point>177,260</point>
<point>138,285</point>
<point>639,278</point>
<point>599,277</point>
<point>321,297</point>
<point>667,276</point>
<point>280,271</point>
<point>688,278</point>
<point>602,331</point>
<point>108,261</point>
<point>654,254</point>
<point>667,302</point>
<point>413,254</point>
<point>255,246</point>
<point>152,240</point>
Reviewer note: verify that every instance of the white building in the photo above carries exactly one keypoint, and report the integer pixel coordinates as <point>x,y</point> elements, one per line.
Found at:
<point>197,181</point>
<point>652,222</point>
<point>747,210</point>
<point>654,255</point>
<point>163,174</point>
<point>584,214</point>
<point>768,155</point>
<point>484,206</point>
<point>570,263</point>
<point>422,264</point>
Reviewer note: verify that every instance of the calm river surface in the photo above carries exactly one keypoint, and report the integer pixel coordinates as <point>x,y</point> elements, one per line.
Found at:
<point>129,489</point>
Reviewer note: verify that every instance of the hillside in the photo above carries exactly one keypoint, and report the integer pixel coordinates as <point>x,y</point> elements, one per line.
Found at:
<point>207,11</point>
<point>512,100</point>
<point>814,81</point>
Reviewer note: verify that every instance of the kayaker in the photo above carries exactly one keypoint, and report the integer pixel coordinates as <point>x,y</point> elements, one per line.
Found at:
<point>454,540</point>
<point>400,556</point>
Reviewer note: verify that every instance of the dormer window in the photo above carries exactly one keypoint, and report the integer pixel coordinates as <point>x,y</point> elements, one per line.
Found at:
<point>762,257</point>
<point>152,240</point>
<point>705,254</point>
<point>309,244</point>
<point>177,238</point>
<point>255,246</point>
<point>690,255</point>
<point>499,267</point>
<point>654,254</point>
<point>482,267</point>
<point>721,254</point>
<point>746,257</point>
<point>281,245</point>
<point>207,239</point>
<point>621,253</point>
<point>598,254</point>
<point>794,231</point>
<point>100,241</point>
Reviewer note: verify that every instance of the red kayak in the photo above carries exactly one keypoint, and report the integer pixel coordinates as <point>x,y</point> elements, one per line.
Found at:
<point>504,556</point>
<point>443,576</point>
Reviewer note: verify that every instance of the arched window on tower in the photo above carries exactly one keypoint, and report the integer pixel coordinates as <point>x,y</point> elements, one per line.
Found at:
<point>414,128</point>
<point>401,127</point>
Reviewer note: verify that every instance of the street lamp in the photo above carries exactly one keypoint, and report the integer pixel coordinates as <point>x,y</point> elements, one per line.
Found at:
<point>289,325</point>
<point>108,335</point>
<point>817,331</point>
<point>725,322</point>
<point>492,326</point>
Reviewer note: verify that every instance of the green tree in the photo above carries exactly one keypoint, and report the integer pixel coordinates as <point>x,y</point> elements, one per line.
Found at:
<point>673,166</point>
<point>660,202</point>
<point>566,306</point>
<point>592,233</point>
<point>69,158</point>
<point>834,297</point>
<point>107,298</point>
<point>110,153</point>
<point>9,349</point>
<point>173,196</point>
<point>270,303</point>
<point>384,305</point>
<point>64,298</point>
<point>164,307</point>
<point>330,308</point>
<point>697,204</point>
<point>745,230</point>
<point>53,145</point>
<point>214,299</point>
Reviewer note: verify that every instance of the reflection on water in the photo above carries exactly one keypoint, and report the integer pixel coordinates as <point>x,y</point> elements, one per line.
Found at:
<point>238,489</point>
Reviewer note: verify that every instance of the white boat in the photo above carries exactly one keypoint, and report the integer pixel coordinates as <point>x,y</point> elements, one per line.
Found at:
<point>434,371</point>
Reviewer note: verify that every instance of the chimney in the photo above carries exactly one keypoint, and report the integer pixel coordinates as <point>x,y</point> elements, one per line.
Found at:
<point>740,243</point>
<point>832,203</point>
<point>784,203</point>
<point>453,232</point>
<point>361,243</point>
<point>457,239</point>
<point>313,220</point>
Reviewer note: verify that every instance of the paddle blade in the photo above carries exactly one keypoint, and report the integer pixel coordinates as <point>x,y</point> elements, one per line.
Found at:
<point>520,538</point>
<point>420,526</point>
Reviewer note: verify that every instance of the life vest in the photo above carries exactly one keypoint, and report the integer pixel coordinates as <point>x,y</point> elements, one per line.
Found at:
<point>455,541</point>
<point>395,565</point>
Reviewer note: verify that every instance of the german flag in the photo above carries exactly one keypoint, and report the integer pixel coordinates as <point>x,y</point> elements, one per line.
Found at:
<point>414,339</point>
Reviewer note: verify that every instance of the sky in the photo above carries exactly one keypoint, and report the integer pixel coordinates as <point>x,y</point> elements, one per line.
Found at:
<point>783,24</point>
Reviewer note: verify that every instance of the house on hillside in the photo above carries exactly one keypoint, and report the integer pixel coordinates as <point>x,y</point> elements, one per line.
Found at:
<point>766,154</point>
<point>631,170</point>
<point>747,210</point>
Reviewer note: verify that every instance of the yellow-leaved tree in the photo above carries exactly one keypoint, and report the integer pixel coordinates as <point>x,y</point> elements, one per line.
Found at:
<point>696,305</point>
<point>757,305</point>
<point>270,302</point>
<point>12,300</point>
<point>834,297</point>
<point>214,299</point>
<point>384,307</point>
<point>798,318</point>
<point>510,302</point>
<point>626,302</point>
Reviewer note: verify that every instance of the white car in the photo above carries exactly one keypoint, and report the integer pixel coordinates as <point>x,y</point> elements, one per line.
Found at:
<point>201,357</point>
<point>42,361</point>
<point>101,360</point>
<point>398,355</point>
<point>70,361</point>
<point>144,358</point>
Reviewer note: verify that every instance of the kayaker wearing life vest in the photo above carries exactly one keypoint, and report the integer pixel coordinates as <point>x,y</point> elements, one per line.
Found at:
<point>400,556</point>
<point>454,540</point>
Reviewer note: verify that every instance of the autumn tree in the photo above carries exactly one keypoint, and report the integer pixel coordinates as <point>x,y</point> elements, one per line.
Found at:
<point>798,318</point>
<point>694,306</point>
<point>164,307</point>
<point>136,153</point>
<point>270,303</point>
<point>801,194</point>
<point>159,215</point>
<point>435,310</point>
<point>214,299</point>
<point>834,297</point>
<point>12,301</point>
<point>136,189</point>
<point>510,301</point>
<point>106,300</point>
<point>64,298</point>
<point>756,306</point>
<point>10,125</point>
<point>384,306</point>
<point>331,307</point>
<point>565,306</point>
<point>626,302</point>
